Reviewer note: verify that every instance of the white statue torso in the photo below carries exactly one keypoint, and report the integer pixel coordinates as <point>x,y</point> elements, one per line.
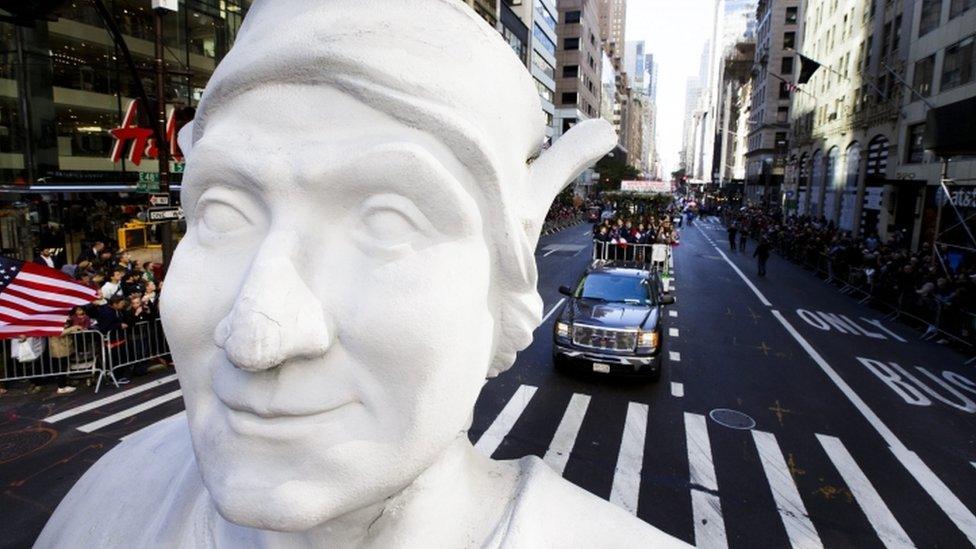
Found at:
<point>147,492</point>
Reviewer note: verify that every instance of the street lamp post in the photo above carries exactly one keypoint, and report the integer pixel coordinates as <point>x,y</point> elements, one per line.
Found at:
<point>160,7</point>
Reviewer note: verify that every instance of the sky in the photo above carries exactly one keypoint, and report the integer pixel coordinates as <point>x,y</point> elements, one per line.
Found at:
<point>675,32</point>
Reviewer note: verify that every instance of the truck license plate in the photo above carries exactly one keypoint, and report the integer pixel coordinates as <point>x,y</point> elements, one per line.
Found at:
<point>601,367</point>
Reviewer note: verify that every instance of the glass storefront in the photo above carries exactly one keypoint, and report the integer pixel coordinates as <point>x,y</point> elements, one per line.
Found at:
<point>65,84</point>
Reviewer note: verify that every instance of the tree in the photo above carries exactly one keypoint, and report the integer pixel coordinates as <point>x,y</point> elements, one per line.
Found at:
<point>613,171</point>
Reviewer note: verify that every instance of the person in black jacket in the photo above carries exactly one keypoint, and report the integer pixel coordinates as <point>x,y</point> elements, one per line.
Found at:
<point>762,254</point>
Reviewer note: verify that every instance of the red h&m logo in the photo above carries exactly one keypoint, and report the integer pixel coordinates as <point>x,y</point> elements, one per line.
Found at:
<point>140,141</point>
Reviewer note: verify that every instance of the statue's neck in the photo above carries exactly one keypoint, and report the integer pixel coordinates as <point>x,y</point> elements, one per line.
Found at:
<point>462,496</point>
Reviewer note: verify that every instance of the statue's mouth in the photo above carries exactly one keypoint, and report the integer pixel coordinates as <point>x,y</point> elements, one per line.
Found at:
<point>250,420</point>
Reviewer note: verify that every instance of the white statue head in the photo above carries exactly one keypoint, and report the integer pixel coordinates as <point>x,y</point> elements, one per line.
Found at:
<point>364,191</point>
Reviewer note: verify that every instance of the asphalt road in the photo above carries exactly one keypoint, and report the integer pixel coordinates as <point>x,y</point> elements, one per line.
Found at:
<point>864,436</point>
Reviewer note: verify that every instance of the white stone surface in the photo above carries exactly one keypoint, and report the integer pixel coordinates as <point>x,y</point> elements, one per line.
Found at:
<point>364,190</point>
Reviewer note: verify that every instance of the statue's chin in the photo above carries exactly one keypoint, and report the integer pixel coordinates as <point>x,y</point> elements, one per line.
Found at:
<point>292,507</point>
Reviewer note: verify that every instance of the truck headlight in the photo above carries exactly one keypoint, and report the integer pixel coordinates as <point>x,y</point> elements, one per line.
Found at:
<point>648,339</point>
<point>562,330</point>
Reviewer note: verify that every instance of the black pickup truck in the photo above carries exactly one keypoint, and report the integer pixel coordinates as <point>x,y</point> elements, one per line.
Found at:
<point>612,323</point>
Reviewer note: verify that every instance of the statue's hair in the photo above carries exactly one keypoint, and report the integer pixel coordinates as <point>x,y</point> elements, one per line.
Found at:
<point>494,131</point>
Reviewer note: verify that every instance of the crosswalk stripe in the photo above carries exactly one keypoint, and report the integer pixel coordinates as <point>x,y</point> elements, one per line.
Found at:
<point>181,413</point>
<point>677,389</point>
<point>673,332</point>
<point>492,438</point>
<point>800,530</point>
<point>878,514</point>
<point>673,314</point>
<point>128,412</point>
<point>674,356</point>
<point>705,504</point>
<point>109,399</point>
<point>562,443</point>
<point>630,459</point>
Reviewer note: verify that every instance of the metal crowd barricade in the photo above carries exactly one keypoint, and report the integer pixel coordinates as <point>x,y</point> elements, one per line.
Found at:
<point>136,344</point>
<point>653,257</point>
<point>84,356</point>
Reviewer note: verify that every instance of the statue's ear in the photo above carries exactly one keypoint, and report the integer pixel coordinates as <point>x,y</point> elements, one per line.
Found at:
<point>185,138</point>
<point>577,149</point>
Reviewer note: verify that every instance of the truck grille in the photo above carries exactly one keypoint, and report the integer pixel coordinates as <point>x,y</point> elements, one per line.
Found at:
<point>597,338</point>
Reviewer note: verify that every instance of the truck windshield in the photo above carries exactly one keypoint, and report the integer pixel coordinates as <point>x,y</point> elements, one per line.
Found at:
<point>615,288</point>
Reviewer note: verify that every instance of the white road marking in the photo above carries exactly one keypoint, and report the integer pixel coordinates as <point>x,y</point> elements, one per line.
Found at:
<point>108,400</point>
<point>705,504</point>
<point>587,233</point>
<point>674,356</point>
<point>492,438</point>
<point>878,514</point>
<point>673,314</point>
<point>554,307</point>
<point>562,442</point>
<point>550,252</point>
<point>153,424</point>
<point>129,412</point>
<point>627,475</point>
<point>673,332</point>
<point>788,502</point>
<point>677,389</point>
<point>950,504</point>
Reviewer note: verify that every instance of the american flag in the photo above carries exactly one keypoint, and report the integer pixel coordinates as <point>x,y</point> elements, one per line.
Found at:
<point>35,300</point>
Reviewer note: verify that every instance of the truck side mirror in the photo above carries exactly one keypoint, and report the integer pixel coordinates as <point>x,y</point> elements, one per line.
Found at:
<point>566,290</point>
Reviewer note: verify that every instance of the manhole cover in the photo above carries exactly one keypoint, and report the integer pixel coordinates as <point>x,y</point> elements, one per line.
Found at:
<point>732,419</point>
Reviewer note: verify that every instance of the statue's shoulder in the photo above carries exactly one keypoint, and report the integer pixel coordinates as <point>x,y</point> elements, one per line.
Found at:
<point>551,512</point>
<point>145,489</point>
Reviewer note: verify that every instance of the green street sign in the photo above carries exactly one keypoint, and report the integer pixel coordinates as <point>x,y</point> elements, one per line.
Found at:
<point>148,182</point>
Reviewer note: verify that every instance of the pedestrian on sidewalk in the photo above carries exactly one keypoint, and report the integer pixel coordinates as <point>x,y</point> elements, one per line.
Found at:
<point>733,229</point>
<point>762,254</point>
<point>743,239</point>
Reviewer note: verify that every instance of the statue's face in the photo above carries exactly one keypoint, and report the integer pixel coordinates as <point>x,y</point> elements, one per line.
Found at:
<point>328,308</point>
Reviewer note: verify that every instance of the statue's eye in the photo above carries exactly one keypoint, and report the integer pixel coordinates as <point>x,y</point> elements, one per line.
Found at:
<point>391,223</point>
<point>222,218</point>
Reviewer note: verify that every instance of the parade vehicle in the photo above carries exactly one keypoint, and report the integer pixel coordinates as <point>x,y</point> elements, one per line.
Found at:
<point>612,322</point>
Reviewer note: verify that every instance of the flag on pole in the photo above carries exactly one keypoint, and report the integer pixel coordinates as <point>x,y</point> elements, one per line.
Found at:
<point>35,300</point>
<point>807,68</point>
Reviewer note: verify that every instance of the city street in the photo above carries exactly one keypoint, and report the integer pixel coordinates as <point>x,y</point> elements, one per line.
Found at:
<point>787,415</point>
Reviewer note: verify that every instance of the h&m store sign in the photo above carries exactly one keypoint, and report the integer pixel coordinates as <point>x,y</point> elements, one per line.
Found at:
<point>136,142</point>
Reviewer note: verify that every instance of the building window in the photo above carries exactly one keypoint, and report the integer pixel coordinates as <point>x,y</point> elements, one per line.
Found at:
<point>782,115</point>
<point>787,66</point>
<point>789,40</point>
<point>515,42</point>
<point>544,92</point>
<point>956,7</point>
<point>931,14</point>
<point>543,39</point>
<point>543,12</point>
<point>791,15</point>
<point>784,91</point>
<point>957,67</point>
<point>543,65</point>
<point>573,16</point>
<point>570,44</point>
<point>896,39</point>
<point>570,71</point>
<point>568,98</point>
<point>916,145</point>
<point>922,78</point>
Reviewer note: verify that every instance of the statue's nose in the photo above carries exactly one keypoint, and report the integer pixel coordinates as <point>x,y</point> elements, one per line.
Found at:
<point>276,317</point>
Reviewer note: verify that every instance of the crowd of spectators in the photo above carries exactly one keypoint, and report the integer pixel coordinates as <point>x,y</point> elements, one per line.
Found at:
<point>127,295</point>
<point>938,289</point>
